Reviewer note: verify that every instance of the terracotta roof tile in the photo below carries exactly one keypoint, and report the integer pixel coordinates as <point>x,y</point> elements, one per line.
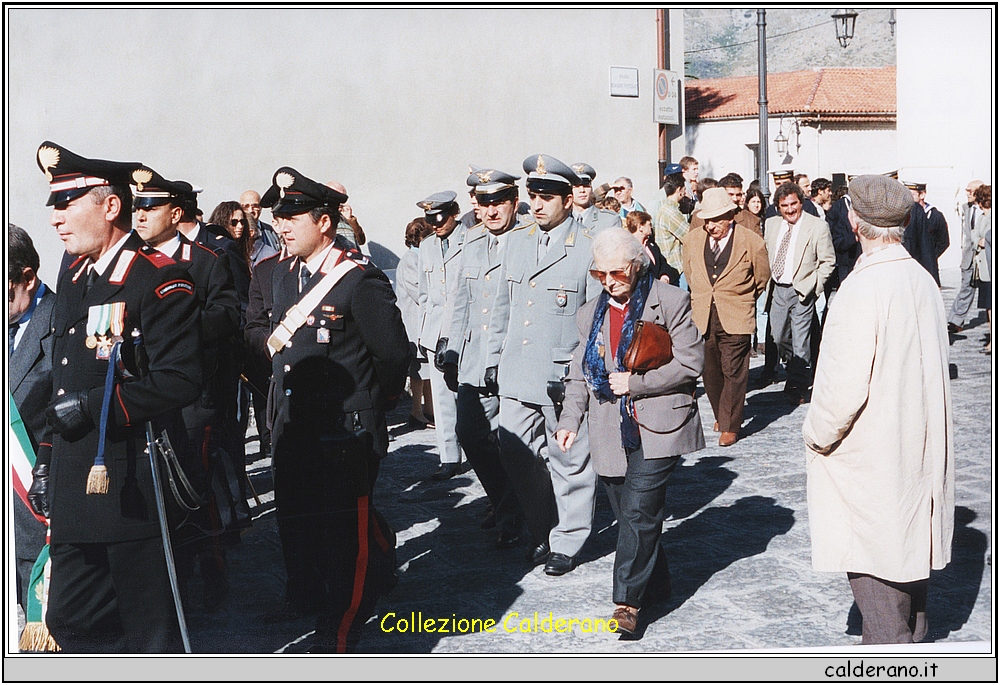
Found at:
<point>824,91</point>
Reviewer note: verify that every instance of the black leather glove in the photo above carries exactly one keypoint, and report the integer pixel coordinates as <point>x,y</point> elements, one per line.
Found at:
<point>69,416</point>
<point>451,376</point>
<point>490,381</point>
<point>439,351</point>
<point>38,493</point>
<point>556,390</point>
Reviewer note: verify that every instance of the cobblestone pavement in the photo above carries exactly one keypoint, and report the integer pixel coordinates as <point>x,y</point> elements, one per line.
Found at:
<point>737,536</point>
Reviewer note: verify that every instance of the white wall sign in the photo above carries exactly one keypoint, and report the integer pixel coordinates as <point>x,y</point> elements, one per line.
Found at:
<point>665,88</point>
<point>624,82</point>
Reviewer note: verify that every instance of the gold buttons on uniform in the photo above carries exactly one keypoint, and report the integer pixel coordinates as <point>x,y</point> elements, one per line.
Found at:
<point>60,392</point>
<point>485,311</point>
<point>532,284</point>
<point>524,342</point>
<point>529,303</point>
<point>287,368</point>
<point>526,322</point>
<point>72,331</point>
<point>485,327</point>
<point>487,277</point>
<point>64,361</point>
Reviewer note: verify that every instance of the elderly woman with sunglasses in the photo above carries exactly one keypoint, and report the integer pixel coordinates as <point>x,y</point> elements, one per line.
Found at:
<point>640,423</point>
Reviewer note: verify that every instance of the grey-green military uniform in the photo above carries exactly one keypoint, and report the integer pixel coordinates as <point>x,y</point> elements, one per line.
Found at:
<point>595,220</point>
<point>438,279</point>
<point>532,338</point>
<point>478,410</point>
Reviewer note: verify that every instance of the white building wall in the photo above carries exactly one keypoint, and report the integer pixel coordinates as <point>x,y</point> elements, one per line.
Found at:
<point>946,93</point>
<point>392,103</point>
<point>722,147</point>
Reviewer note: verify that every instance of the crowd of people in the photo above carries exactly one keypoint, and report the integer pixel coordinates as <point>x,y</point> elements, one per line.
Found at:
<point>552,342</point>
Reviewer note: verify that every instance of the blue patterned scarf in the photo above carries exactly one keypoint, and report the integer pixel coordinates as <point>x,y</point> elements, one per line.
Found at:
<point>594,370</point>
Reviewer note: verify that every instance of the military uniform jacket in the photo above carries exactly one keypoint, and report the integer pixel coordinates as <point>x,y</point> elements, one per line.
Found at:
<point>595,219</point>
<point>349,358</point>
<point>476,291</point>
<point>160,303</point>
<point>220,315</point>
<point>259,306</point>
<point>438,281</point>
<point>532,333</point>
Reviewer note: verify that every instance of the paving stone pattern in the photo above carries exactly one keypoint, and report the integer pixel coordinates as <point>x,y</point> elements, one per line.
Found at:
<point>737,536</point>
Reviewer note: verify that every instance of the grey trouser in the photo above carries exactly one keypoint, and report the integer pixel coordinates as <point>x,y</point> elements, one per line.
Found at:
<point>791,324</point>
<point>963,300</point>
<point>478,432</point>
<point>891,613</point>
<point>445,414</point>
<point>525,429</point>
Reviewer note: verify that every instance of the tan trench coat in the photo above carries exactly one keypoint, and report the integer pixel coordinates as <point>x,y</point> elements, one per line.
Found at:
<point>879,459</point>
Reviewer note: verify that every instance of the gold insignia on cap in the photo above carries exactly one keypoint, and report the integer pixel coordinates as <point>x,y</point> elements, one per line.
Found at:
<point>427,206</point>
<point>284,180</point>
<point>141,177</point>
<point>578,168</point>
<point>48,157</point>
<point>484,175</point>
<point>540,165</point>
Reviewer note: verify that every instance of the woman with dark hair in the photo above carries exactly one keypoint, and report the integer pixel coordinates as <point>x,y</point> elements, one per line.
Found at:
<point>756,203</point>
<point>640,224</point>
<point>407,282</point>
<point>640,422</point>
<point>230,216</point>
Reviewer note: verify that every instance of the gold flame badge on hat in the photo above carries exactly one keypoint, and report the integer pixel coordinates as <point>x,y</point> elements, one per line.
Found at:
<point>141,178</point>
<point>284,180</point>
<point>48,157</point>
<point>540,165</point>
<point>427,206</point>
<point>578,168</point>
<point>484,175</point>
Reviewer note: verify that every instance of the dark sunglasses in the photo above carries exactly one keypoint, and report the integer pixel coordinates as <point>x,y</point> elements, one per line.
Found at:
<point>617,274</point>
<point>237,222</point>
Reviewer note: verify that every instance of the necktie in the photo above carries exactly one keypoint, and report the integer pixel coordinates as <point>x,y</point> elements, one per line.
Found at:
<point>11,334</point>
<point>444,246</point>
<point>89,280</point>
<point>543,245</point>
<point>304,276</point>
<point>716,249</point>
<point>779,261</point>
<point>492,249</point>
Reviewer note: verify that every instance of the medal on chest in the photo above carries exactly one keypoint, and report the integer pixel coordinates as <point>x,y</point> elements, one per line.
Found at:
<point>561,298</point>
<point>105,324</point>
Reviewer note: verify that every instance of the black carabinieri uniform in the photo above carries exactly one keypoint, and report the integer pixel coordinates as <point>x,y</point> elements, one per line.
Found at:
<point>332,385</point>
<point>109,589</point>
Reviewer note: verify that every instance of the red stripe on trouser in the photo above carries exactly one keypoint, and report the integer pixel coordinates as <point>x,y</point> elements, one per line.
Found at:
<point>379,537</point>
<point>360,567</point>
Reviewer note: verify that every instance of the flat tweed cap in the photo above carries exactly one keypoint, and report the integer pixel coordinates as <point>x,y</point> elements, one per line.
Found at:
<point>880,200</point>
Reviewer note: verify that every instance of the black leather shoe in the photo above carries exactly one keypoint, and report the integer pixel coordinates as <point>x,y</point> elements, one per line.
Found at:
<point>507,539</point>
<point>539,554</point>
<point>445,471</point>
<point>558,564</point>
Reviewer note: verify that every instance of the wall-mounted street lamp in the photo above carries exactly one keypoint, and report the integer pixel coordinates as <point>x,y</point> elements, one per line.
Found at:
<point>781,143</point>
<point>843,21</point>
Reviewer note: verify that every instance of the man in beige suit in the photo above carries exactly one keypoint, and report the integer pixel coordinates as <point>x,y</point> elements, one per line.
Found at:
<point>802,258</point>
<point>727,269</point>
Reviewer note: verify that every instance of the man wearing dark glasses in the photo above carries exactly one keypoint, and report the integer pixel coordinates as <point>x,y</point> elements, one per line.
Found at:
<point>438,269</point>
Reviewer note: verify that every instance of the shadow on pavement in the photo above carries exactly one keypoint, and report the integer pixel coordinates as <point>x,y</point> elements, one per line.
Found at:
<point>437,530</point>
<point>700,547</point>
<point>765,408</point>
<point>953,590</point>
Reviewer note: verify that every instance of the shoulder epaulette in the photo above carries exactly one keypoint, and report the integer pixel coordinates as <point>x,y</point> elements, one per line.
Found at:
<point>157,258</point>
<point>124,264</point>
<point>76,261</point>
<point>206,248</point>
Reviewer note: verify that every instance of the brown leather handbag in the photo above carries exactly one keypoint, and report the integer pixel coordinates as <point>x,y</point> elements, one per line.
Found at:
<point>651,347</point>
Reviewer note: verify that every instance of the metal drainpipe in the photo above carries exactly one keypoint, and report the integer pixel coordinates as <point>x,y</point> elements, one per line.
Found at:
<point>762,99</point>
<point>662,62</point>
